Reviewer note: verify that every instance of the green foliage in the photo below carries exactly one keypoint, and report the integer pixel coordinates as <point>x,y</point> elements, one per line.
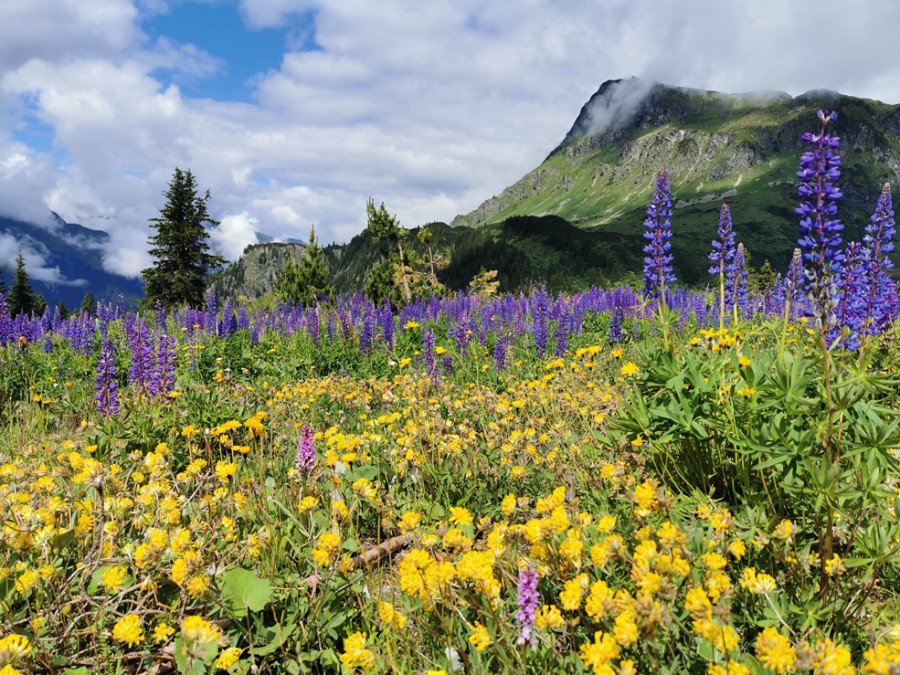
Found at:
<point>22,299</point>
<point>306,283</point>
<point>394,269</point>
<point>802,435</point>
<point>183,262</point>
<point>243,591</point>
<point>88,304</point>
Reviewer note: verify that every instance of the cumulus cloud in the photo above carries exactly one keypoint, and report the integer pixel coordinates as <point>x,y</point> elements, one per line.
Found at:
<point>234,233</point>
<point>430,107</point>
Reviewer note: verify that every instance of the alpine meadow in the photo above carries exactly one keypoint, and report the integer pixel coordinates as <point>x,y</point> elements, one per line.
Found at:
<point>688,466</point>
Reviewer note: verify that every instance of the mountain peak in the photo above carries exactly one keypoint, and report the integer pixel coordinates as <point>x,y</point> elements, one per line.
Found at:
<point>639,104</point>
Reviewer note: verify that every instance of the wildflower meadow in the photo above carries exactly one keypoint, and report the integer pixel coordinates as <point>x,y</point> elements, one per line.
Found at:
<point>651,480</point>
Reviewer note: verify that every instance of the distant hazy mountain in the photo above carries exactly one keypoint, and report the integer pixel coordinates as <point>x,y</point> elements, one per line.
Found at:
<point>72,258</point>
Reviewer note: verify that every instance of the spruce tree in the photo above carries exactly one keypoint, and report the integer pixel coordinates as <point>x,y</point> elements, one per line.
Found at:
<point>179,246</point>
<point>88,304</point>
<point>307,282</point>
<point>395,268</point>
<point>22,298</point>
<point>2,280</point>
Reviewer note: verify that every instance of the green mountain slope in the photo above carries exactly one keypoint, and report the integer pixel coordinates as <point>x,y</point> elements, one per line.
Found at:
<point>743,149</point>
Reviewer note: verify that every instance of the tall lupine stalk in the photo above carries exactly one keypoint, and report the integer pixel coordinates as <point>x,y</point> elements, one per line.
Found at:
<point>722,255</point>
<point>820,242</point>
<point>850,310</point>
<point>820,231</point>
<point>658,270</point>
<point>877,243</point>
<point>105,385</point>
<point>658,259</point>
<point>737,281</point>
<point>540,320</point>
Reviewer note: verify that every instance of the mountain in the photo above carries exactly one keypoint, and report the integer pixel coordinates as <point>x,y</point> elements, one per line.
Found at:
<point>255,272</point>
<point>577,219</point>
<point>740,148</point>
<point>71,264</point>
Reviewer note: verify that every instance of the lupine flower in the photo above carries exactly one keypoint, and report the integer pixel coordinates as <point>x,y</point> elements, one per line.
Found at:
<point>850,310</point>
<point>723,245</point>
<point>528,601</point>
<point>658,259</point>
<point>793,282</point>
<point>877,243</point>
<point>107,396</point>
<point>539,322</point>
<point>306,451</point>
<point>820,231</point>
<point>615,326</point>
<point>431,366</point>
<point>737,279</point>
<point>500,352</point>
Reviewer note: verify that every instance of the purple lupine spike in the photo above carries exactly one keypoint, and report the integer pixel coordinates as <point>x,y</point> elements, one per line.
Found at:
<point>386,321</point>
<point>6,322</point>
<point>105,385</point>
<point>615,325</point>
<point>367,333</point>
<point>162,375</point>
<point>306,451</point>
<point>723,247</point>
<point>463,334</point>
<point>877,243</point>
<point>820,231</point>
<point>527,601</point>
<point>737,279</point>
<point>562,335</point>
<point>850,309</point>
<point>658,271</point>
<point>793,282</point>
<point>431,366</point>
<point>447,364</point>
<point>500,352</point>
<point>209,319</point>
<point>539,322</point>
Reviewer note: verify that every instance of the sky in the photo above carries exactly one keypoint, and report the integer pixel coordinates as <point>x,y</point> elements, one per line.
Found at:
<point>292,113</point>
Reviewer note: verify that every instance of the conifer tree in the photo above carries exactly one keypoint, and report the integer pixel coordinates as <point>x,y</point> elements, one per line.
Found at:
<point>179,246</point>
<point>22,298</point>
<point>305,283</point>
<point>88,304</point>
<point>2,280</point>
<point>385,227</point>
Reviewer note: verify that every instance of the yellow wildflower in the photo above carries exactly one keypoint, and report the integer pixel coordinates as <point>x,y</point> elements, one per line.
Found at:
<point>479,637</point>
<point>128,630</point>
<point>355,652</point>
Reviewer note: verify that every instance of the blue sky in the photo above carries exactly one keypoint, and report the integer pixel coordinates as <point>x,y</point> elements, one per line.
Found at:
<point>244,53</point>
<point>294,112</point>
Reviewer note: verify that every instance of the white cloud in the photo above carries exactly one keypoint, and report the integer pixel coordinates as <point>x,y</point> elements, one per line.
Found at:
<point>34,256</point>
<point>430,107</point>
<point>234,233</point>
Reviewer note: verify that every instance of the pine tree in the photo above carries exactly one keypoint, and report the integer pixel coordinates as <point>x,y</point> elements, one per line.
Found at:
<point>22,298</point>
<point>183,260</point>
<point>2,280</point>
<point>385,227</point>
<point>307,282</point>
<point>88,304</point>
